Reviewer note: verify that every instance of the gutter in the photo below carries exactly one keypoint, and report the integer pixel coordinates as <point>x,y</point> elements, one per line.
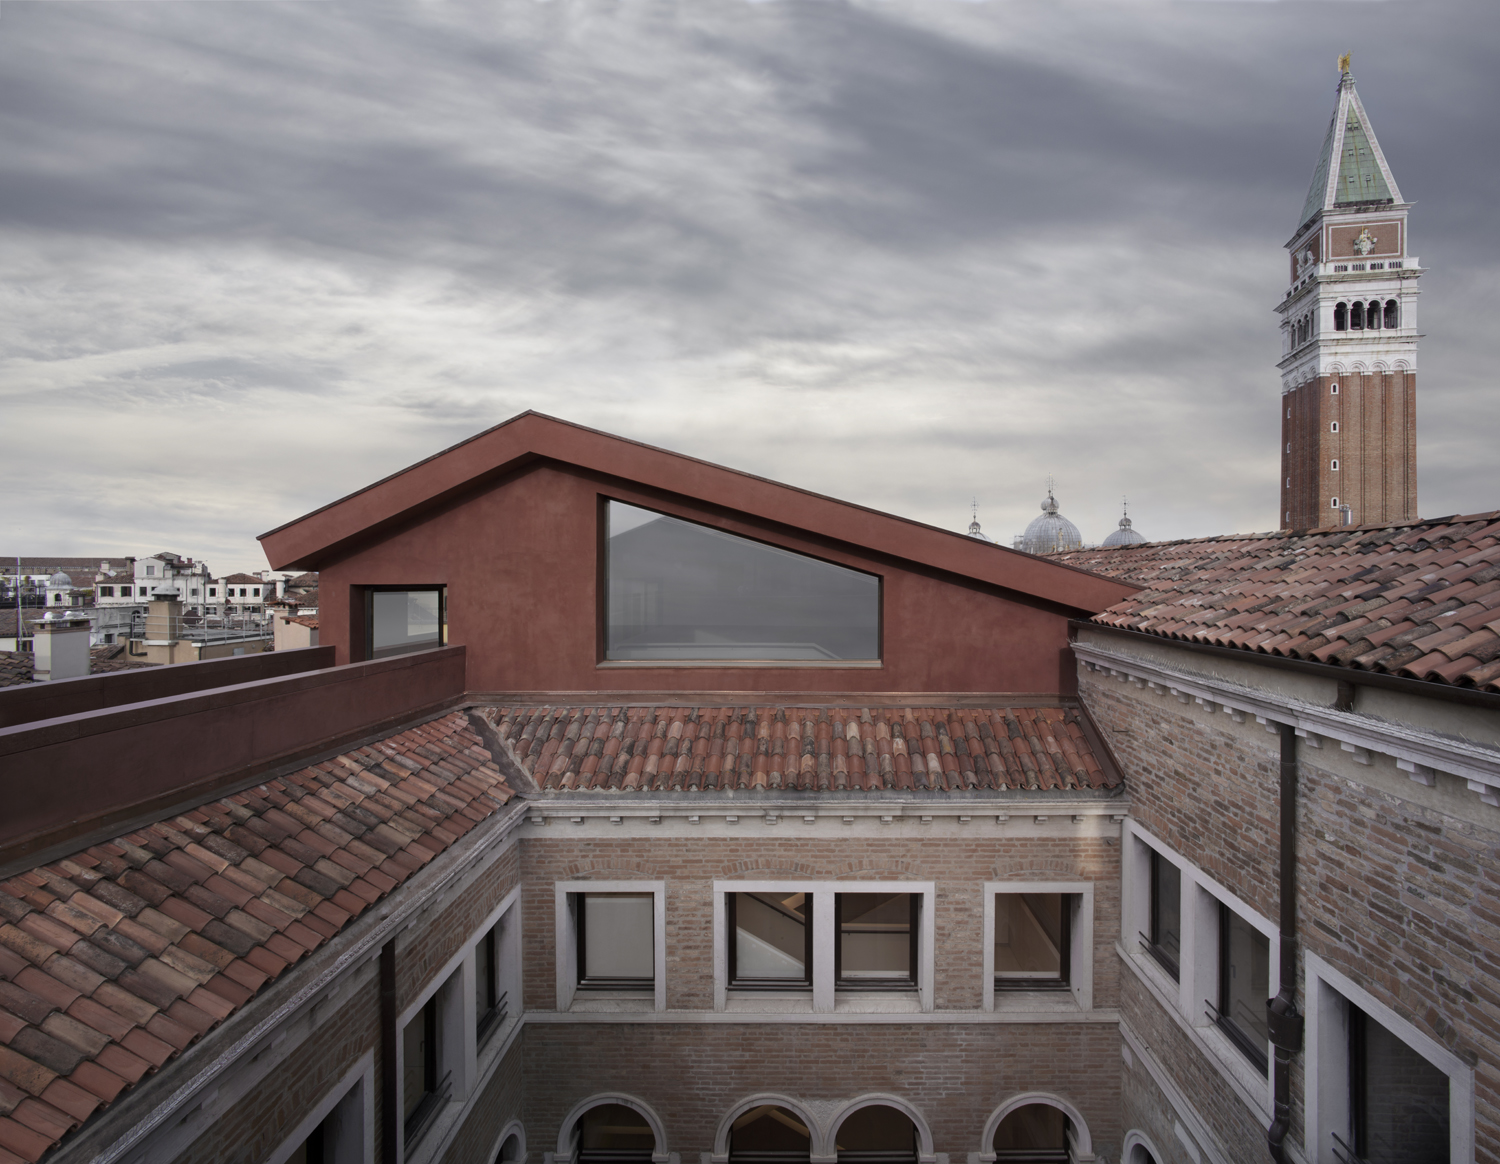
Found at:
<point>1423,688</point>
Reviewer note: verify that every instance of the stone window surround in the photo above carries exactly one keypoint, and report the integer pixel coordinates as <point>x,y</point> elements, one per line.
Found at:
<point>459,1048</point>
<point>1326,1083</point>
<point>1081,965</point>
<point>1199,971</point>
<point>824,997</point>
<point>355,1095</point>
<point>567,949</point>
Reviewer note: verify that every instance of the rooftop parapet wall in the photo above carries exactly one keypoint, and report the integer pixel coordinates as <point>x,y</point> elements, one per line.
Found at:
<point>66,778</point>
<point>27,704</point>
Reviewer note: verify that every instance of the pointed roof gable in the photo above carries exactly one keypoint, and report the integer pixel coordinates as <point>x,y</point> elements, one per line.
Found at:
<point>368,514</point>
<point>1361,174</point>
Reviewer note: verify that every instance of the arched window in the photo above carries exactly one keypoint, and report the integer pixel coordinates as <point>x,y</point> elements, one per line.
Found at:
<point>877,1135</point>
<point>613,1134</point>
<point>1372,315</point>
<point>1341,317</point>
<point>510,1151</point>
<point>1392,313</point>
<point>769,1134</point>
<point>1356,317</point>
<point>1034,1134</point>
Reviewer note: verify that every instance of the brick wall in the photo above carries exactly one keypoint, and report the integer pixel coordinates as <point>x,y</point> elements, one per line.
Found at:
<point>500,1102</point>
<point>422,953</point>
<point>692,1074</point>
<point>958,867</point>
<point>256,1125</point>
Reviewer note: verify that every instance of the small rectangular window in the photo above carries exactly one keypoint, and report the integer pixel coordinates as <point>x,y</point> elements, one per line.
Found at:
<point>1164,942</point>
<point>490,1003</point>
<point>616,941</point>
<point>875,945</point>
<point>1033,940</point>
<point>770,940</point>
<point>1244,985</point>
<point>401,620</point>
<point>213,591</point>
<point>150,571</point>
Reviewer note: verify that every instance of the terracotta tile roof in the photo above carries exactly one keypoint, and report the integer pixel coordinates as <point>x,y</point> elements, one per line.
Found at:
<point>118,957</point>
<point>669,749</point>
<point>1420,600</point>
<point>310,621</point>
<point>15,668</point>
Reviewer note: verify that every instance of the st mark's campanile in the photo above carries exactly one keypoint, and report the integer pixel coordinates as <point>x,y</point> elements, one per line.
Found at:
<point>1349,339</point>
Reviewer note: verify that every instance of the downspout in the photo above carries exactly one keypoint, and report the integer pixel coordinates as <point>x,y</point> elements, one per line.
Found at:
<point>1284,1021</point>
<point>390,1081</point>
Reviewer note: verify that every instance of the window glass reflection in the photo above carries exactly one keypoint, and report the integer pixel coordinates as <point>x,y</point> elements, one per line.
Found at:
<point>771,938</point>
<point>1031,938</point>
<point>876,939</point>
<point>405,620</point>
<point>616,944</point>
<point>682,591</point>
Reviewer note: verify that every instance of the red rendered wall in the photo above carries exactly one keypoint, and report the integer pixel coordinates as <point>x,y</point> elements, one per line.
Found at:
<point>519,558</point>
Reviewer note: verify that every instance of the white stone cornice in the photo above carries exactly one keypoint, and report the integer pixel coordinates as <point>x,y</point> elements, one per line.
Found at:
<point>1417,752</point>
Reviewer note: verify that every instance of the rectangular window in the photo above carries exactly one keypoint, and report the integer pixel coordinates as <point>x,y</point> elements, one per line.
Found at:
<point>422,1092</point>
<point>1398,1101</point>
<point>106,592</point>
<point>1164,942</point>
<point>402,620</point>
<point>254,592</point>
<point>489,1000</point>
<point>213,591</point>
<point>1244,985</point>
<point>150,571</point>
<point>1033,940</point>
<point>616,941</point>
<point>876,936</point>
<point>683,592</point>
<point>770,940</point>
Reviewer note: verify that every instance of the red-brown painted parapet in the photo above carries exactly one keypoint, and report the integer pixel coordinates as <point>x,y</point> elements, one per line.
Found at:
<point>63,779</point>
<point>28,702</point>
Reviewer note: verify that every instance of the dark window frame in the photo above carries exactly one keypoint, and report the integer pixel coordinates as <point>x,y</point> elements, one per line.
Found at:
<point>1071,904</point>
<point>601,591</point>
<point>496,999</point>
<point>436,1092</point>
<point>735,982</point>
<point>1248,1046</point>
<point>1153,936</point>
<point>912,981</point>
<point>368,641</point>
<point>580,942</point>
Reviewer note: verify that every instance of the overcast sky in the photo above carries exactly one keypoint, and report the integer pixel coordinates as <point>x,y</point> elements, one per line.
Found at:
<point>256,255</point>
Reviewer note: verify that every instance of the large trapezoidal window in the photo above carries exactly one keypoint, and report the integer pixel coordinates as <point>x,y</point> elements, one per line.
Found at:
<point>683,592</point>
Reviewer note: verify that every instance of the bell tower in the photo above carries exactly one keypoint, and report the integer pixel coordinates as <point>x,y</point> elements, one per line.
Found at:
<point>1349,339</point>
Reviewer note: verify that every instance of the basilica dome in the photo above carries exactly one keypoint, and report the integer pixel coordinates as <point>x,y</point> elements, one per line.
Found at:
<point>1051,533</point>
<point>1124,536</point>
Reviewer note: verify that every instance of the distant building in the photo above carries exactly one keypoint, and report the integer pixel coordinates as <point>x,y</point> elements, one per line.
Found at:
<point>1125,535</point>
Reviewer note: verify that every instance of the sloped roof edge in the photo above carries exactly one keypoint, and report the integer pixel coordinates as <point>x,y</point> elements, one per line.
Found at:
<point>531,436</point>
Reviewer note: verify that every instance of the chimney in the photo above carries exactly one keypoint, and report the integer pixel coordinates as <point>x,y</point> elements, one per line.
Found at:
<point>60,648</point>
<point>164,616</point>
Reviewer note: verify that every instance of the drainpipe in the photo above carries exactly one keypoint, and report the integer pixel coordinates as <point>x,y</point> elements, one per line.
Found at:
<point>390,1081</point>
<point>1281,1012</point>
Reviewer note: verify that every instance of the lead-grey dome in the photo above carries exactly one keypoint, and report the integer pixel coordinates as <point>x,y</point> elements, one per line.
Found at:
<point>1052,532</point>
<point>1125,535</point>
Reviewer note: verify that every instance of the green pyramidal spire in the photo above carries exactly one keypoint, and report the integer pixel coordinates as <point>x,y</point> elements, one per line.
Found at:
<point>1361,174</point>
